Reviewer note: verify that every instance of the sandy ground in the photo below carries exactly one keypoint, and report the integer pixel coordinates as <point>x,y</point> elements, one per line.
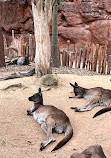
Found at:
<point>20,135</point>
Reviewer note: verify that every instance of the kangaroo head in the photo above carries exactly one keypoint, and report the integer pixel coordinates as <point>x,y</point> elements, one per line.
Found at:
<point>37,97</point>
<point>77,89</point>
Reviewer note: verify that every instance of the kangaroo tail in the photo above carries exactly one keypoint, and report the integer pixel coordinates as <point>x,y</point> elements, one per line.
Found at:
<point>68,136</point>
<point>102,111</point>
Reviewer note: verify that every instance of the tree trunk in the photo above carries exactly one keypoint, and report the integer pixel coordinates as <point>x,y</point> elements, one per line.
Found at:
<point>54,43</point>
<point>2,58</point>
<point>42,10</point>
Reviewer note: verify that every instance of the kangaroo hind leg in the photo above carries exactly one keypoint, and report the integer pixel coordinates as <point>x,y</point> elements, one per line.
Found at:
<point>90,105</point>
<point>50,137</point>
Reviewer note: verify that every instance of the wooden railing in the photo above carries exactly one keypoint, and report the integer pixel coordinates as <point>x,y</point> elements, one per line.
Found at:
<point>20,46</point>
<point>89,58</point>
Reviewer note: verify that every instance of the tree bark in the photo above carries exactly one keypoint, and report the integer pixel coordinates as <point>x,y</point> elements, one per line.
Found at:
<point>2,57</point>
<point>42,10</point>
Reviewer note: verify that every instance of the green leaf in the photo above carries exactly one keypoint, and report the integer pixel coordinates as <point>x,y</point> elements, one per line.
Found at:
<point>3,143</point>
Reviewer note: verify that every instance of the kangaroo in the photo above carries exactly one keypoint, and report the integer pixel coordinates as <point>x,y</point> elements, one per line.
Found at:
<point>97,96</point>
<point>51,120</point>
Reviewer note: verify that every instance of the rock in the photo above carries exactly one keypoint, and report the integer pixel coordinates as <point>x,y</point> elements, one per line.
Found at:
<point>80,21</point>
<point>14,15</point>
<point>101,32</point>
<point>95,151</point>
<point>49,80</point>
<point>108,6</point>
<point>84,21</point>
<point>78,35</point>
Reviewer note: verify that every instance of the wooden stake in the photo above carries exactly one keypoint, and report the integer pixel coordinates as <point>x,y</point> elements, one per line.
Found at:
<point>76,59</point>
<point>91,60</point>
<point>71,59</point>
<point>5,46</point>
<point>84,56</point>
<point>30,47</point>
<point>80,55</point>
<point>104,69</point>
<point>109,64</point>
<point>87,58</point>
<point>67,60</point>
<point>104,55</point>
<point>100,56</point>
<point>96,57</point>
<point>12,52</point>
<point>64,58</point>
<point>22,43</point>
<point>12,35</point>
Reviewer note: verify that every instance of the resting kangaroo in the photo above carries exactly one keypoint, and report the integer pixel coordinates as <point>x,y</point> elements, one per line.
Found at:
<point>51,120</point>
<point>97,96</point>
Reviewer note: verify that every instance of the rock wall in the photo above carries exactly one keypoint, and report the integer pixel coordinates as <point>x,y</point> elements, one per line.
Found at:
<point>16,16</point>
<point>83,21</point>
<point>80,21</point>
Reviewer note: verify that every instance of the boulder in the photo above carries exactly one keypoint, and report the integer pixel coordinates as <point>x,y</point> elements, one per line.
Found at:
<point>49,80</point>
<point>95,151</point>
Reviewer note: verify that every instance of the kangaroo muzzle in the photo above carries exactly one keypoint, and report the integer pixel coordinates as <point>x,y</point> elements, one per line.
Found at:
<point>30,99</point>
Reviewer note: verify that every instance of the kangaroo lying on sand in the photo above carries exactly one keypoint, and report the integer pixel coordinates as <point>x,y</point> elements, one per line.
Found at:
<point>51,120</point>
<point>97,96</point>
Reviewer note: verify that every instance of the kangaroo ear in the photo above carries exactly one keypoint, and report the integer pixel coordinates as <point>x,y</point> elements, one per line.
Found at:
<point>75,85</point>
<point>39,90</point>
<point>71,84</point>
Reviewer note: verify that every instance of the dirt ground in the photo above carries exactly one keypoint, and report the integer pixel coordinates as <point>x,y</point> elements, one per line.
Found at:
<point>20,135</point>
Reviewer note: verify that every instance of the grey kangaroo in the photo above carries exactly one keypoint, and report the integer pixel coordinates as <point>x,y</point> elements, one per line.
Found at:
<point>97,96</point>
<point>51,120</point>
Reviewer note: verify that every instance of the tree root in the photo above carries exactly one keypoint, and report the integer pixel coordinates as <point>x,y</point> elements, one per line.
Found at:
<point>19,75</point>
<point>19,85</point>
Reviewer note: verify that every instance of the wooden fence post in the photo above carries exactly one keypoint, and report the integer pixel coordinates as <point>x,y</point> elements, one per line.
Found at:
<point>91,60</point>
<point>96,57</point>
<point>84,56</point>
<point>27,50</point>
<point>76,58</point>
<point>71,59</point>
<point>80,55</point>
<point>12,51</point>
<point>67,61</point>
<point>64,58</point>
<point>109,64</point>
<point>104,68</point>
<point>30,47</point>
<point>87,56</point>
<point>2,56</point>
<point>100,56</point>
<point>24,49</point>
<point>5,46</point>
<point>104,55</point>
<point>22,43</point>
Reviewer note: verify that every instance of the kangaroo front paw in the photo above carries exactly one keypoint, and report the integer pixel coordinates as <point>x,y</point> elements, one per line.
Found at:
<point>42,147</point>
<point>28,112</point>
<point>77,109</point>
